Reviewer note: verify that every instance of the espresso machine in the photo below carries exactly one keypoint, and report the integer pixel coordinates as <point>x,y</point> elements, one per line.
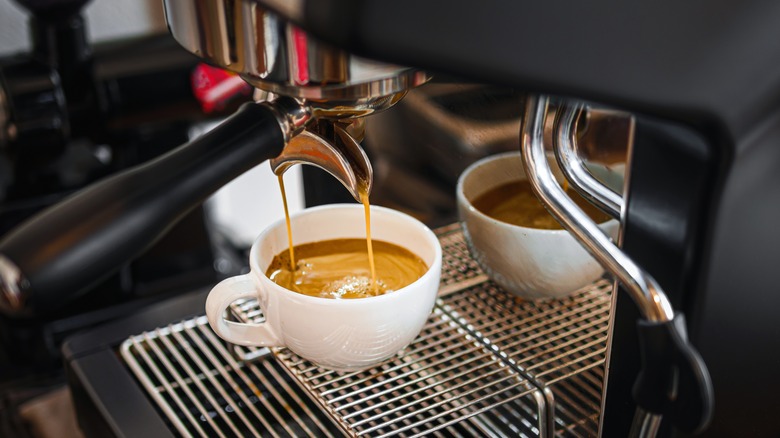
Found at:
<point>697,210</point>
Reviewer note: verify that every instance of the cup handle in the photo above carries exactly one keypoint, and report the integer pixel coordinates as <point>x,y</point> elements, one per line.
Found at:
<point>219,299</point>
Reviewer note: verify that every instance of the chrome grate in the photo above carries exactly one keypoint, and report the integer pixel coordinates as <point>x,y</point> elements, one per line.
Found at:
<point>204,391</point>
<point>486,364</point>
<point>442,378</point>
<point>551,342</point>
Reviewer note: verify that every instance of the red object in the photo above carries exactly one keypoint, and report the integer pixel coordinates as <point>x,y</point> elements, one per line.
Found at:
<point>214,87</point>
<point>301,50</point>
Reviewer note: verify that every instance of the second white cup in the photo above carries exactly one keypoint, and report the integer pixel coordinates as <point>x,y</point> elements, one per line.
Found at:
<point>528,262</point>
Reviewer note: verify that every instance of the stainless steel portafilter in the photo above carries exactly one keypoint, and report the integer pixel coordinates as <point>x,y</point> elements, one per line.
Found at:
<point>274,55</point>
<point>279,58</point>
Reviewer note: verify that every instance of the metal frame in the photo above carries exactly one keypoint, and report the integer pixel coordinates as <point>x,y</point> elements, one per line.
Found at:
<point>566,149</point>
<point>645,291</point>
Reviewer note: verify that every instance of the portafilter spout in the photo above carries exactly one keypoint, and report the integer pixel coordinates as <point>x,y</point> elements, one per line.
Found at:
<point>332,141</point>
<point>342,157</point>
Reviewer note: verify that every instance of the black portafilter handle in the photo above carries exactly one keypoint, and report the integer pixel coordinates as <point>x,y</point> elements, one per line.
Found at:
<point>59,253</point>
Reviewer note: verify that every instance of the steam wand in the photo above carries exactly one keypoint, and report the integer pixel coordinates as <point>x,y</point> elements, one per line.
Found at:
<point>674,380</point>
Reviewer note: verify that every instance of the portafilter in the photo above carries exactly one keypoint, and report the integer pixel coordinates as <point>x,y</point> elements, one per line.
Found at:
<point>59,253</point>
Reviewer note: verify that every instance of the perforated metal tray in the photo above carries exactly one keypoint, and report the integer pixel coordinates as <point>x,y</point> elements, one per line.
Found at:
<point>486,363</point>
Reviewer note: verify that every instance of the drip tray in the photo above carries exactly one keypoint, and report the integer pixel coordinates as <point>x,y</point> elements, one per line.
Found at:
<point>486,364</point>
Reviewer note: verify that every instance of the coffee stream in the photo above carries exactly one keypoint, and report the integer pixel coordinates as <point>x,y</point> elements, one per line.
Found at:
<point>338,268</point>
<point>367,209</point>
<point>375,286</point>
<point>287,219</point>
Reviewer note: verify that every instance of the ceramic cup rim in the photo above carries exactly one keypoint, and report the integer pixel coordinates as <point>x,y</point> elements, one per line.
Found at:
<point>256,270</point>
<point>464,200</point>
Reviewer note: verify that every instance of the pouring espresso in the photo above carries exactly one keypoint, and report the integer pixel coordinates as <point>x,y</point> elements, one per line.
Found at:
<point>61,252</point>
<point>342,157</point>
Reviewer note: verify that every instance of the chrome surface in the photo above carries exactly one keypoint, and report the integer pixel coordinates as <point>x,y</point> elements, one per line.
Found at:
<point>342,157</point>
<point>11,285</point>
<point>486,364</point>
<point>274,55</point>
<point>291,9</point>
<point>340,154</point>
<point>301,110</point>
<point>645,291</point>
<point>645,424</point>
<point>568,156</point>
<point>353,108</point>
<point>292,115</point>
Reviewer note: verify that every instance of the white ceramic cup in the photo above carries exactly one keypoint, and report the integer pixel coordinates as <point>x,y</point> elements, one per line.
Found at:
<point>340,334</point>
<point>528,262</point>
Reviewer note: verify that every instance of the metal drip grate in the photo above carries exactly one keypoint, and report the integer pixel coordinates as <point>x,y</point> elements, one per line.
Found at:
<point>442,378</point>
<point>204,391</point>
<point>486,364</point>
<point>559,344</point>
<point>458,269</point>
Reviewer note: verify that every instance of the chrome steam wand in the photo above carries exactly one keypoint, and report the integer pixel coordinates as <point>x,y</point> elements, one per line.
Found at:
<point>674,381</point>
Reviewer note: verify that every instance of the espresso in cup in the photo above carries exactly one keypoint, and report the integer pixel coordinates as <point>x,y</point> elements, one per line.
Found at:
<point>339,268</point>
<point>515,203</point>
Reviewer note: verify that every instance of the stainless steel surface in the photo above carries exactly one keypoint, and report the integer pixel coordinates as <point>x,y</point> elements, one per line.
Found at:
<point>444,377</point>
<point>293,116</point>
<point>486,364</point>
<point>203,391</point>
<point>275,55</point>
<point>645,424</point>
<point>11,285</point>
<point>292,9</point>
<point>568,156</point>
<point>644,290</point>
<point>342,157</point>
